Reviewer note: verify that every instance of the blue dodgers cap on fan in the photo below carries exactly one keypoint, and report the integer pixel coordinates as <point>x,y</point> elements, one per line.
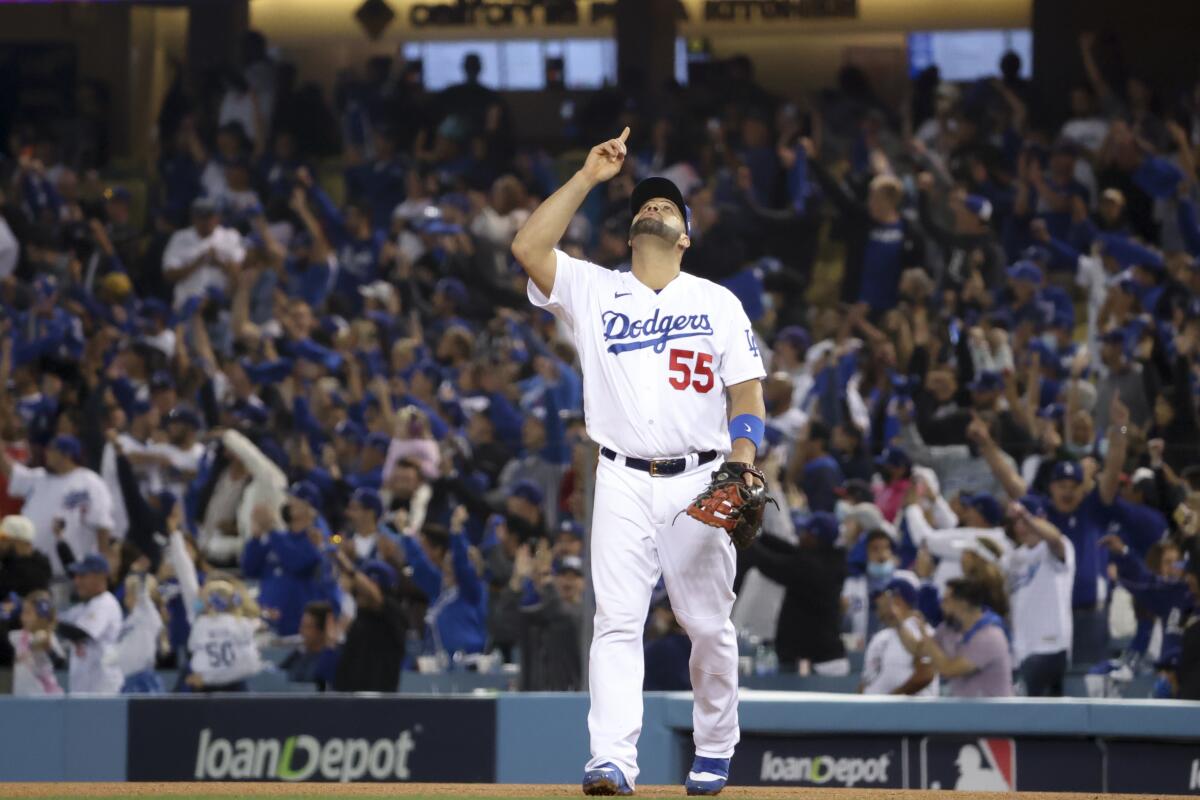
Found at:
<point>68,446</point>
<point>1037,253</point>
<point>117,193</point>
<point>988,507</point>
<point>94,564</point>
<point>379,440</point>
<point>894,457</point>
<point>139,407</point>
<point>1054,411</point>
<point>821,524</point>
<point>306,491</point>
<point>45,286</point>
<point>253,412</point>
<point>1129,253</point>
<point>161,380</point>
<point>351,431</point>
<point>571,528</point>
<point>1157,177</point>
<point>794,335</point>
<point>653,187</point>
<point>1025,271</point>
<point>1067,471</point>
<point>153,307</point>
<point>987,381</point>
<point>368,499</point>
<point>904,585</point>
<point>184,415</point>
<point>527,490</point>
<point>979,206</point>
<point>1034,505</point>
<point>1115,336</point>
<point>381,573</point>
<point>453,289</point>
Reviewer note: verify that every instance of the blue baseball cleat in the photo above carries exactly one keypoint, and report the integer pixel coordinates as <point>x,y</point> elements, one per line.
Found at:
<point>708,776</point>
<point>606,780</point>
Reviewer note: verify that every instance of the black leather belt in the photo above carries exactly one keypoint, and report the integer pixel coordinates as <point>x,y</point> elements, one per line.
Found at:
<point>660,466</point>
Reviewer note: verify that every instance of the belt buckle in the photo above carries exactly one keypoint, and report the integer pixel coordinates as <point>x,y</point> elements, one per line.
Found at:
<point>654,468</point>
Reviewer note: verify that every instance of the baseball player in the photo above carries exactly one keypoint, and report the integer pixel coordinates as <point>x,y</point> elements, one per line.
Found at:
<point>660,350</point>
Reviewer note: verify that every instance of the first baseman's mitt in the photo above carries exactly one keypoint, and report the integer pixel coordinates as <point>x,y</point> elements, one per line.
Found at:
<point>730,503</point>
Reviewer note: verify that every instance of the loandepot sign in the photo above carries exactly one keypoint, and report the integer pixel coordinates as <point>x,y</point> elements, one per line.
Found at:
<point>303,758</point>
<point>504,13</point>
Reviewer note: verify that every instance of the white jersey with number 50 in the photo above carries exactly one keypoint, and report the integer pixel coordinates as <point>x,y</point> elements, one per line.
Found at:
<point>223,648</point>
<point>655,364</point>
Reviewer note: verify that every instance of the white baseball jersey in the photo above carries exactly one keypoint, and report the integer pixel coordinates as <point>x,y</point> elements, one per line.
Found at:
<point>137,644</point>
<point>79,498</point>
<point>946,544</point>
<point>183,248</point>
<point>93,664</point>
<point>182,465</point>
<point>223,648</point>
<point>1039,589</point>
<point>33,669</point>
<point>655,364</point>
<point>887,665</point>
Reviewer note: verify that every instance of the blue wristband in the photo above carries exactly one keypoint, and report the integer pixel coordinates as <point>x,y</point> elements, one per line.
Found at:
<point>747,426</point>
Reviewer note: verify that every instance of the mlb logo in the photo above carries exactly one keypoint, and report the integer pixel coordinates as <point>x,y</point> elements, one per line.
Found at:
<point>969,764</point>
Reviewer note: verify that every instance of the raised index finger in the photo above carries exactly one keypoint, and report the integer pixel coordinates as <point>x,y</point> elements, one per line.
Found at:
<point>624,135</point>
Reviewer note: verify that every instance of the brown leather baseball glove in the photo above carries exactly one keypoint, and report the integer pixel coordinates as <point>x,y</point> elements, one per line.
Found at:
<point>731,504</point>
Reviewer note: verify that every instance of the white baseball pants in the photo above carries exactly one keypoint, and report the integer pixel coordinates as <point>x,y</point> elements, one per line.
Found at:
<point>636,537</point>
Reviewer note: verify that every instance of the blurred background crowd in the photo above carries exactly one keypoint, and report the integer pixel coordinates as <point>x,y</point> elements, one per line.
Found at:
<point>298,416</point>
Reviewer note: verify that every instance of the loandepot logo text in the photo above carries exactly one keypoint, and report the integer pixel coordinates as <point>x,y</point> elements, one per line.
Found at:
<point>821,770</point>
<point>302,758</point>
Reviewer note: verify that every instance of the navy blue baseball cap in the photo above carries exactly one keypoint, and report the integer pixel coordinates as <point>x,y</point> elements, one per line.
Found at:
<point>988,507</point>
<point>1116,336</point>
<point>1054,411</point>
<point>894,457</point>
<point>987,381</point>
<point>571,528</point>
<point>1034,505</point>
<point>139,407</point>
<point>527,490</point>
<point>153,307</point>
<point>161,380</point>
<point>379,440</point>
<point>184,415</point>
<point>821,524</point>
<point>1067,471</point>
<point>254,413</point>
<point>381,572</point>
<point>653,187</point>
<point>1025,271</point>
<point>979,206</point>
<point>349,429</point>
<point>369,499</point>
<point>1039,254</point>
<point>117,193</point>
<point>904,586</point>
<point>794,335</point>
<point>306,491</point>
<point>453,289</point>
<point>68,446</point>
<point>94,564</point>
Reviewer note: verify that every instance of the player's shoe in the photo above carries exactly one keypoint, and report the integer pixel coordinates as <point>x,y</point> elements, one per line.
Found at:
<point>707,776</point>
<point>606,780</point>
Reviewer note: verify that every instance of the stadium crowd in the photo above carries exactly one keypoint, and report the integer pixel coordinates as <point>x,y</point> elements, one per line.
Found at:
<point>264,414</point>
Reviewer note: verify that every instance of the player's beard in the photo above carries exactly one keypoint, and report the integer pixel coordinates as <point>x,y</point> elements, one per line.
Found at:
<point>656,228</point>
